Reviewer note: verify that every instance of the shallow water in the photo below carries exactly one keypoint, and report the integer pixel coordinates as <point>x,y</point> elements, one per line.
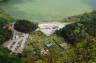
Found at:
<point>47,10</point>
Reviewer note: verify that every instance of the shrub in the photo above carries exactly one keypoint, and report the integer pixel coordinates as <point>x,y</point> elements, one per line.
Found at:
<point>25,26</point>
<point>5,33</point>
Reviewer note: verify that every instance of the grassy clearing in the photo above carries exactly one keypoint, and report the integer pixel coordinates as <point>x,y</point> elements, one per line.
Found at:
<point>37,39</point>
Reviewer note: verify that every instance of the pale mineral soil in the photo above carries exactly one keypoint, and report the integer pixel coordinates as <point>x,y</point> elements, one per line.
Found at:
<point>48,28</point>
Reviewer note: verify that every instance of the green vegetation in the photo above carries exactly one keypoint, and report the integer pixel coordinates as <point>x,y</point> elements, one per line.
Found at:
<point>37,41</point>
<point>90,27</point>
<point>78,40</point>
<point>79,36</point>
<point>25,26</point>
<point>5,33</point>
<point>3,0</point>
<point>86,51</point>
<point>82,29</point>
<point>7,57</point>
<point>83,17</point>
<point>73,33</point>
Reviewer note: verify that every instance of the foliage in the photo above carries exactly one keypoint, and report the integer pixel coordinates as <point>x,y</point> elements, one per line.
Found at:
<point>73,33</point>
<point>80,30</point>
<point>25,26</point>
<point>52,57</point>
<point>5,33</point>
<point>81,38</point>
<point>3,22</point>
<point>90,27</point>
<point>7,57</point>
<point>85,51</point>
<point>83,17</point>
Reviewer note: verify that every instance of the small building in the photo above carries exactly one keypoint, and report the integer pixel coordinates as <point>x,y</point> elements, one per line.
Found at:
<point>48,44</point>
<point>64,45</point>
<point>44,51</point>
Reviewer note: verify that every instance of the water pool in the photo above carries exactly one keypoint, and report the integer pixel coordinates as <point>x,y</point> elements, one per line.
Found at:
<point>47,10</point>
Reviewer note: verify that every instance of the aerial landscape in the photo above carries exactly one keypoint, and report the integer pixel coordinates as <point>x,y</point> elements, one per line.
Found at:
<point>47,31</point>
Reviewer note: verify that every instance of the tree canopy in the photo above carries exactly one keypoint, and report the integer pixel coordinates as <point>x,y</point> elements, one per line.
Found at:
<point>25,26</point>
<point>5,33</point>
<point>7,57</point>
<point>80,30</point>
<point>73,33</point>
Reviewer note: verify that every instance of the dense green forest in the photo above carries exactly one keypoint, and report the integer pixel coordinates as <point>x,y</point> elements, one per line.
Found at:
<point>81,39</point>
<point>84,27</point>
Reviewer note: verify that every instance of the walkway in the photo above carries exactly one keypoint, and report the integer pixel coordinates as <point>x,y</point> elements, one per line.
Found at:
<point>16,44</point>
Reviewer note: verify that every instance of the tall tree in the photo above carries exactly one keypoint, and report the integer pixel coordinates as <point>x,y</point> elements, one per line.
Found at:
<point>25,26</point>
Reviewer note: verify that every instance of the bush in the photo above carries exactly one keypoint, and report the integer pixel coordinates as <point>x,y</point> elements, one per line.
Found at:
<point>5,33</point>
<point>6,57</point>
<point>25,26</point>
<point>82,29</point>
<point>3,22</point>
<point>73,33</point>
<point>3,0</point>
<point>90,27</point>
